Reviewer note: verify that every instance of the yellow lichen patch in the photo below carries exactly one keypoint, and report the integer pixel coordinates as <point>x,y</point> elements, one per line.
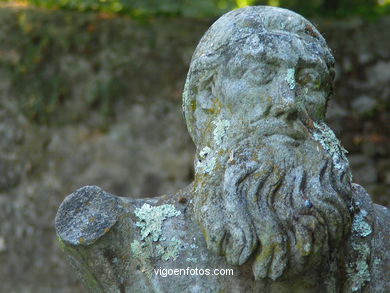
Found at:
<point>266,254</point>
<point>81,240</point>
<point>303,248</point>
<point>255,156</point>
<point>230,107</point>
<point>217,106</point>
<point>193,105</point>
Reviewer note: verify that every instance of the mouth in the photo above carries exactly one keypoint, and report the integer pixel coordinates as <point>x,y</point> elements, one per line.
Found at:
<point>276,127</point>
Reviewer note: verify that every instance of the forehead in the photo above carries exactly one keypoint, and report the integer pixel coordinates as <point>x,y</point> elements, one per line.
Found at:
<point>277,50</point>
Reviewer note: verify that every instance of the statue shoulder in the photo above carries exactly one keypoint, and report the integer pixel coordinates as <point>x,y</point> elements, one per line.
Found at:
<point>380,257</point>
<point>115,242</point>
<point>372,222</point>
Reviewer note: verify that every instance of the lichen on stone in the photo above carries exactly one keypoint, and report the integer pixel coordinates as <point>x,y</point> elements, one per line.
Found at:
<point>221,127</point>
<point>150,222</point>
<point>359,271</point>
<point>361,275</point>
<point>377,261</point>
<point>145,250</point>
<point>151,219</point>
<point>360,226</point>
<point>136,248</point>
<point>290,78</point>
<point>204,152</point>
<point>191,259</point>
<point>142,251</point>
<point>206,161</point>
<point>194,246</point>
<point>328,140</point>
<point>171,250</point>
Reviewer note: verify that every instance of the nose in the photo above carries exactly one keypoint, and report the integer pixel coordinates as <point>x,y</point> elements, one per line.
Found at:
<point>287,111</point>
<point>285,106</point>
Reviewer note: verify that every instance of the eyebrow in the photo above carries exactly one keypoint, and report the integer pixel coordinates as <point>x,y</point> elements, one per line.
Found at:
<point>314,64</point>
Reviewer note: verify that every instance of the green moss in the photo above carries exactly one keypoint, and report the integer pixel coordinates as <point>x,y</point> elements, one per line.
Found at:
<point>61,242</point>
<point>91,280</point>
<point>85,272</point>
<point>321,112</point>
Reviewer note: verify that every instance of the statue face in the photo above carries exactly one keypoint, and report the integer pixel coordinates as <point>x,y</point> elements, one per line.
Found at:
<point>256,63</point>
<point>280,93</point>
<point>263,93</point>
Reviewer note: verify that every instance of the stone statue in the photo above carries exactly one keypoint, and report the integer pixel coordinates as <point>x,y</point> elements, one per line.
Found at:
<point>272,198</point>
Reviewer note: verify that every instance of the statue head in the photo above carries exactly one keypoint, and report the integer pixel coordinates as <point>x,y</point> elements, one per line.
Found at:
<point>272,184</point>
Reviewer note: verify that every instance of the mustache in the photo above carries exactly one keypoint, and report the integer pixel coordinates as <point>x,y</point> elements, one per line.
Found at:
<point>267,127</point>
<point>290,121</point>
<point>260,132</point>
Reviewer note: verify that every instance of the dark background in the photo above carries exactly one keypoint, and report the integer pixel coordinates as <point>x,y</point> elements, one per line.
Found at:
<point>90,94</point>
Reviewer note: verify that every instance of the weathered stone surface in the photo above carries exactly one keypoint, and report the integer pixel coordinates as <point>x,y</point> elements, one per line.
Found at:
<point>91,212</point>
<point>273,194</point>
<point>153,152</point>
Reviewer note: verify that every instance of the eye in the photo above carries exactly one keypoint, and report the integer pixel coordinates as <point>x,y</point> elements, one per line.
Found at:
<point>309,78</point>
<point>261,74</point>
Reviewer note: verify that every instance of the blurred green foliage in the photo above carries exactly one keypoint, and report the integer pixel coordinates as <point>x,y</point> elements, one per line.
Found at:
<point>35,45</point>
<point>213,8</point>
<point>332,8</point>
<point>61,66</point>
<point>39,88</point>
<point>142,8</point>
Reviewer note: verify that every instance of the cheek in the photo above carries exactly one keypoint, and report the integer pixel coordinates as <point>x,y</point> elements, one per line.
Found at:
<point>243,98</point>
<point>233,92</point>
<point>315,104</point>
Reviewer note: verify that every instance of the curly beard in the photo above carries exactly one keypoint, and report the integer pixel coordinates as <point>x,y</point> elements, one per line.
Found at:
<point>281,201</point>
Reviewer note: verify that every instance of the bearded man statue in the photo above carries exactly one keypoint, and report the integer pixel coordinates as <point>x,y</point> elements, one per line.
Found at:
<point>273,196</point>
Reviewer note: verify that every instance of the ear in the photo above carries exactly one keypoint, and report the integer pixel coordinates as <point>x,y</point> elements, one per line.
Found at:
<point>198,102</point>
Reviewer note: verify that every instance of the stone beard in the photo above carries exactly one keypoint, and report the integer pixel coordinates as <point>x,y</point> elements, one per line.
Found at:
<point>275,188</point>
<point>270,203</point>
